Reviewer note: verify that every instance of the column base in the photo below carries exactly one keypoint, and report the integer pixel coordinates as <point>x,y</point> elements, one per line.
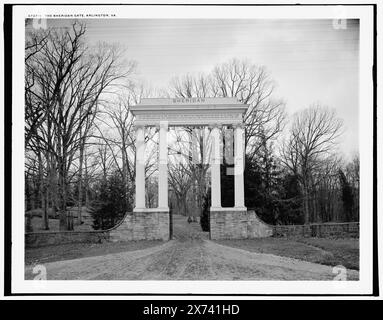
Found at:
<point>227,209</point>
<point>240,208</point>
<point>151,210</point>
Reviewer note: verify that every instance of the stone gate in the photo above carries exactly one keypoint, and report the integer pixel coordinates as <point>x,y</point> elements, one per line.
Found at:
<point>153,223</point>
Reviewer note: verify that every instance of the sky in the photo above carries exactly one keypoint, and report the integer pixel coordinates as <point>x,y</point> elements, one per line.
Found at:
<point>309,60</point>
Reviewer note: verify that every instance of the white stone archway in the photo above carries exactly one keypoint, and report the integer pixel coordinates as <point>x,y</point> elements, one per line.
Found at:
<point>153,223</point>
<point>211,112</point>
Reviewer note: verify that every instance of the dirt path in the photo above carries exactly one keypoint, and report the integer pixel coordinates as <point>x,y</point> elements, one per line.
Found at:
<point>190,256</point>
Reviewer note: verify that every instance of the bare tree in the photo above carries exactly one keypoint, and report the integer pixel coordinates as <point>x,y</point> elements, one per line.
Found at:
<point>34,43</point>
<point>352,175</point>
<point>313,137</point>
<point>120,143</point>
<point>188,86</point>
<point>251,84</point>
<point>180,182</point>
<point>116,131</point>
<point>69,81</point>
<point>189,164</point>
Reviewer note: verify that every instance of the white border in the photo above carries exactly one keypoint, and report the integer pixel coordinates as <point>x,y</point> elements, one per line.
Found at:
<point>363,286</point>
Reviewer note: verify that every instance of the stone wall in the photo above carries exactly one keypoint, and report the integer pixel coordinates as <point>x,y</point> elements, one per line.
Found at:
<point>40,239</point>
<point>227,223</point>
<point>151,225</point>
<point>148,225</point>
<point>237,224</point>
<point>325,230</point>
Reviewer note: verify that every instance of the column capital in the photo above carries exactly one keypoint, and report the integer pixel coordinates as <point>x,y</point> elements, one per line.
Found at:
<point>215,125</point>
<point>162,125</point>
<point>238,125</point>
<point>138,126</point>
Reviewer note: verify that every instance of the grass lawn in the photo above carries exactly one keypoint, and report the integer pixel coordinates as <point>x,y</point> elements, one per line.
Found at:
<point>325,251</point>
<point>81,250</point>
<point>343,250</point>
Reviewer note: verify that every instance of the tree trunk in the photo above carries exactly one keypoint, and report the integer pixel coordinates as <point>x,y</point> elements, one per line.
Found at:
<point>33,195</point>
<point>62,202</point>
<point>46,215</point>
<point>65,219</point>
<point>43,191</point>
<point>86,181</point>
<point>306,205</point>
<point>315,209</point>
<point>79,204</point>
<point>125,174</point>
<point>26,197</point>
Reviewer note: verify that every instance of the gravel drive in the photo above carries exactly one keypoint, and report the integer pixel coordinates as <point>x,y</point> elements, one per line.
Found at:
<point>189,256</point>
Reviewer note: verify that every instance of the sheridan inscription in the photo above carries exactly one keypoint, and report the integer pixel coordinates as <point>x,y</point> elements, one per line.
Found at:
<point>188,100</point>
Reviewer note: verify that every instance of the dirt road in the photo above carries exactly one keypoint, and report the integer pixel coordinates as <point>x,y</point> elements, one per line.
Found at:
<point>190,256</point>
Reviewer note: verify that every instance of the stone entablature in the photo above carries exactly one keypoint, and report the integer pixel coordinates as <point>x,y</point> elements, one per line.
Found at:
<point>189,111</point>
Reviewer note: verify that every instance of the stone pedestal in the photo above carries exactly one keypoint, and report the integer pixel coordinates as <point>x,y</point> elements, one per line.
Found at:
<point>145,224</point>
<point>233,223</point>
<point>148,223</point>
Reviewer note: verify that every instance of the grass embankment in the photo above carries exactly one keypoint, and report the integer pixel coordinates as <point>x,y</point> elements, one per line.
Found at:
<point>325,251</point>
<point>81,250</point>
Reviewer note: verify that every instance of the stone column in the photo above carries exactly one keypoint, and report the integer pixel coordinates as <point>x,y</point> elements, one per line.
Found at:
<point>194,147</point>
<point>239,161</point>
<point>216,167</point>
<point>140,167</point>
<point>163,167</point>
